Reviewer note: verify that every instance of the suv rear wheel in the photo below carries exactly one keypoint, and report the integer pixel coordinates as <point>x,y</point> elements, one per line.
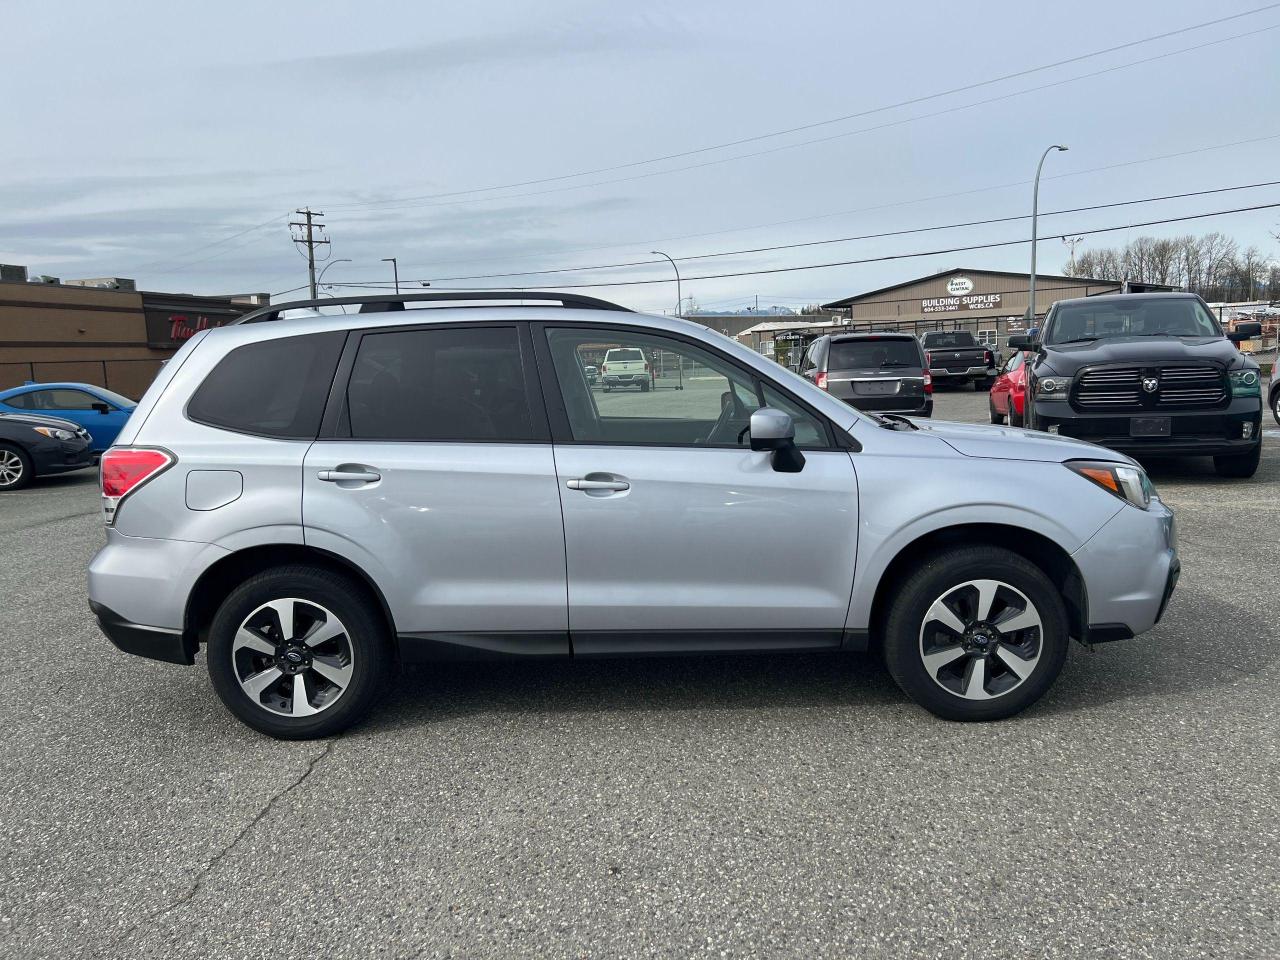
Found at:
<point>978,633</point>
<point>298,652</point>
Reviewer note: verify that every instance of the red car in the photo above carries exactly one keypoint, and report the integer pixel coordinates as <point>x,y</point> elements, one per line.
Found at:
<point>1009,391</point>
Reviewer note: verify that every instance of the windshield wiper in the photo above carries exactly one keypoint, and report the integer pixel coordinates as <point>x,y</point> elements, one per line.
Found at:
<point>1073,340</point>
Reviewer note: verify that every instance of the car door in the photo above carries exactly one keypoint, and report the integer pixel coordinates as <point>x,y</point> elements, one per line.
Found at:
<point>434,471</point>
<point>677,535</point>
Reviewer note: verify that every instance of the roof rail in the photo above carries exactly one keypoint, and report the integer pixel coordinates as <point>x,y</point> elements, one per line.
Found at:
<point>381,303</point>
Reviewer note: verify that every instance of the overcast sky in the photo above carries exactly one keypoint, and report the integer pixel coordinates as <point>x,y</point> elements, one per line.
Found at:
<point>157,140</point>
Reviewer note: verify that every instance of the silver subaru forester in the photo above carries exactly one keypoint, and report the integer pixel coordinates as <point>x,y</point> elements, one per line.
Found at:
<point>315,498</point>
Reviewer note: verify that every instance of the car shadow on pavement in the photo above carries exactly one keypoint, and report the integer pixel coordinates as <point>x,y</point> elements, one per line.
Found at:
<point>428,693</point>
<point>1204,642</point>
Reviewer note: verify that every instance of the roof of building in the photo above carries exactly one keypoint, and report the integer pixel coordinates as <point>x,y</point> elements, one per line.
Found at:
<point>849,301</point>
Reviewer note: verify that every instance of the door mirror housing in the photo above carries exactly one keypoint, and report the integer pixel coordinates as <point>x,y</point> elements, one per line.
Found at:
<point>1023,341</point>
<point>1249,330</point>
<point>774,430</point>
<point>101,407</point>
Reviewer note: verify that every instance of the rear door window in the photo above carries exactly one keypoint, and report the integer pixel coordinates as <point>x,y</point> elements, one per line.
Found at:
<point>448,384</point>
<point>275,388</point>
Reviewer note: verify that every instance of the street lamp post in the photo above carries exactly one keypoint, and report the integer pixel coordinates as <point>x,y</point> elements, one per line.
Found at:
<point>395,270</point>
<point>328,265</point>
<point>1035,213</point>
<point>1028,403</point>
<point>679,298</point>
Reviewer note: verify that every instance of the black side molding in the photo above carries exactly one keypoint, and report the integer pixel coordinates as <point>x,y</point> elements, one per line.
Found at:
<point>426,647</point>
<point>154,643</point>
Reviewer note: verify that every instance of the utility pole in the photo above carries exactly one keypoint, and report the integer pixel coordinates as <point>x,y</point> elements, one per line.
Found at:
<point>309,240</point>
<point>1071,243</point>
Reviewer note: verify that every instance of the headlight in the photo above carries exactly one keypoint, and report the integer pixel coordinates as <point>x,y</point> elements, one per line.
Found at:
<point>1052,388</point>
<point>1126,482</point>
<point>53,433</point>
<point>1245,383</point>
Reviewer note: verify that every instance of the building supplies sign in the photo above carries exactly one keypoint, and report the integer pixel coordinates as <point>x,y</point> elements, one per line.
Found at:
<point>973,301</point>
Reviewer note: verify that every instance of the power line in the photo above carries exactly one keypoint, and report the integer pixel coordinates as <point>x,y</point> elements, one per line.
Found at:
<point>880,259</point>
<point>833,120</point>
<point>871,209</point>
<point>866,236</point>
<point>215,243</point>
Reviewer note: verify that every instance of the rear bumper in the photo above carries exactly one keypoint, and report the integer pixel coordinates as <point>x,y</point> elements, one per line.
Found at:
<point>971,373</point>
<point>154,643</point>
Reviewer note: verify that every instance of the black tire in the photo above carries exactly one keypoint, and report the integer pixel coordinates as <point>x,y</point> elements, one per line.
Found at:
<point>933,579</point>
<point>1275,405</point>
<point>1015,419</point>
<point>26,470</point>
<point>608,389</point>
<point>644,387</point>
<point>365,630</point>
<point>995,417</point>
<point>1239,465</point>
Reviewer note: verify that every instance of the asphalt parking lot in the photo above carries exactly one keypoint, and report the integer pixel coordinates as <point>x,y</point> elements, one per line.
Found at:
<point>758,806</point>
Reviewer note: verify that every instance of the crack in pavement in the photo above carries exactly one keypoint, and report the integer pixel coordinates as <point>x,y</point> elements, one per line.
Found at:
<point>198,882</point>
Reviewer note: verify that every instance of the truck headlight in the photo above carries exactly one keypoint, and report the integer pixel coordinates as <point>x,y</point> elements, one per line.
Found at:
<point>53,433</point>
<point>1128,483</point>
<point>1245,383</point>
<point>1052,388</point>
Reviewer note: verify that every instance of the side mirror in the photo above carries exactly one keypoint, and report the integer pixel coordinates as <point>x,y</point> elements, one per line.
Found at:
<point>1250,330</point>
<point>1023,341</point>
<point>774,430</point>
<point>100,407</point>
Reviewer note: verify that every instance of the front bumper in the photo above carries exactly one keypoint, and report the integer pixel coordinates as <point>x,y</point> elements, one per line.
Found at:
<point>61,456</point>
<point>1192,432</point>
<point>154,643</point>
<point>1130,568</point>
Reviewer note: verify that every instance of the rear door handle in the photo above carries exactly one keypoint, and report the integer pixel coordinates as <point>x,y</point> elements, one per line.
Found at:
<point>584,483</point>
<point>337,476</point>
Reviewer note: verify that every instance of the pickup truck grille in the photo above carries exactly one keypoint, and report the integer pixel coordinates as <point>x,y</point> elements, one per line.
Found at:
<point>1178,387</point>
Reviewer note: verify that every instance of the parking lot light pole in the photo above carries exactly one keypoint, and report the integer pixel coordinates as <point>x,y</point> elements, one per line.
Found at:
<point>1028,403</point>
<point>679,298</point>
<point>395,271</point>
<point>1035,213</point>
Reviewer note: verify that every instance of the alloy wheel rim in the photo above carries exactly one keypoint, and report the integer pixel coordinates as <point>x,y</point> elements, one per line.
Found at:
<point>10,468</point>
<point>981,639</point>
<point>293,658</point>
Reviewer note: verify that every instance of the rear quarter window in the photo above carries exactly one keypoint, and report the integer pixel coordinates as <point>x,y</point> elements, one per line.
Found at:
<point>275,388</point>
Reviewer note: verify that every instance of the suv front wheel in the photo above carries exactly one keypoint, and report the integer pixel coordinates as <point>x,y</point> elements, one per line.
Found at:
<point>298,652</point>
<point>977,633</point>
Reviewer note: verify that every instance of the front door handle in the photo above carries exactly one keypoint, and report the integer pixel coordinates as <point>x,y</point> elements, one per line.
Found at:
<point>594,482</point>
<point>339,476</point>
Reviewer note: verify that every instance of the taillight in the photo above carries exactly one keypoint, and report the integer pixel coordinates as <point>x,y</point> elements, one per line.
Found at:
<point>604,368</point>
<point>821,380</point>
<point>928,382</point>
<point>124,469</point>
<point>986,357</point>
<point>928,359</point>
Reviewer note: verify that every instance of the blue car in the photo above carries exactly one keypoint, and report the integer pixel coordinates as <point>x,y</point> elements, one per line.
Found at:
<point>97,409</point>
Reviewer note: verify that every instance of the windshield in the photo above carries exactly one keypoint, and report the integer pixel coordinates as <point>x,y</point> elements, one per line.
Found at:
<point>864,354</point>
<point>960,338</point>
<point>112,397</point>
<point>1182,317</point>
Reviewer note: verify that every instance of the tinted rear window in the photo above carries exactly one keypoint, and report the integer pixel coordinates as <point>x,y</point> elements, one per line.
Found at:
<point>623,356</point>
<point>961,338</point>
<point>276,388</point>
<point>853,354</point>
<point>450,384</point>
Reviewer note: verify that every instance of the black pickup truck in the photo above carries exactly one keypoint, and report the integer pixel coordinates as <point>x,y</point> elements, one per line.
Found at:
<point>955,356</point>
<point>1148,374</point>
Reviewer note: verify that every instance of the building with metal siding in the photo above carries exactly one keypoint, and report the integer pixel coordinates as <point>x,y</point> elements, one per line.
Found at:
<point>990,303</point>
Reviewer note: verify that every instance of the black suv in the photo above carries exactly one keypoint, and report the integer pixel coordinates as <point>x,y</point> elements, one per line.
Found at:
<point>884,372</point>
<point>1150,375</point>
